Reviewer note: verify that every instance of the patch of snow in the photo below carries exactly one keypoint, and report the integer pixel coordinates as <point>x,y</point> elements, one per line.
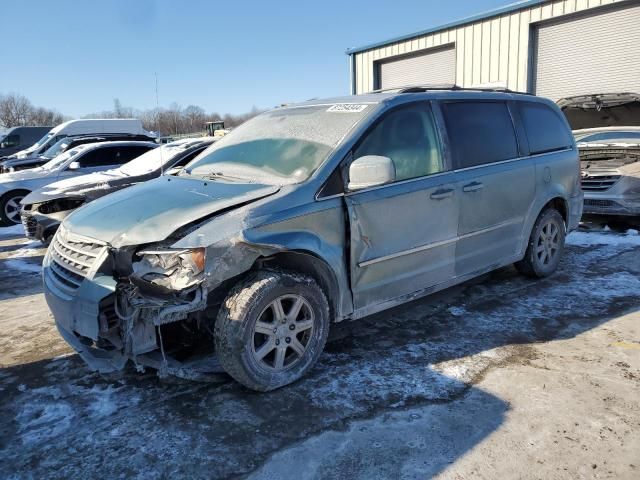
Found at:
<point>457,311</point>
<point>589,239</point>
<point>22,265</point>
<point>14,231</point>
<point>103,405</point>
<point>43,420</point>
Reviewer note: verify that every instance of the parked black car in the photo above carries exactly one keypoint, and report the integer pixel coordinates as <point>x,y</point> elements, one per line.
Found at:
<point>44,209</point>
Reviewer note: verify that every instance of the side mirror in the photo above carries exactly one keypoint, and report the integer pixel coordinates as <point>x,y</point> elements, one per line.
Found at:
<point>74,165</point>
<point>371,171</point>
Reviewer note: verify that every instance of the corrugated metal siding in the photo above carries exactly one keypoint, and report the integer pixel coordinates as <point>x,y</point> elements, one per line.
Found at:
<point>506,58</point>
<point>594,54</point>
<point>428,68</point>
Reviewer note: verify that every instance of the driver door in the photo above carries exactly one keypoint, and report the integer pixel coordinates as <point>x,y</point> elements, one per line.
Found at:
<point>403,234</point>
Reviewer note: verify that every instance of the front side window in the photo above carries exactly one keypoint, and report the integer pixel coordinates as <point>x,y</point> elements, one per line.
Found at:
<point>100,157</point>
<point>407,136</point>
<point>479,132</point>
<point>545,129</point>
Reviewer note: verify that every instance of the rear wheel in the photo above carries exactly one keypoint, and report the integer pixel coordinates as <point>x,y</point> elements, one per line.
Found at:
<point>546,245</point>
<point>271,329</point>
<point>10,208</point>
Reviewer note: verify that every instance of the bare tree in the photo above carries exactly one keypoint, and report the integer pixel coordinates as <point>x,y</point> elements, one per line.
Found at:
<point>17,110</point>
<point>195,118</point>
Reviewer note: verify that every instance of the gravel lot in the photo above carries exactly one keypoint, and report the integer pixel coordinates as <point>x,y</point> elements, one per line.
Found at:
<point>502,377</point>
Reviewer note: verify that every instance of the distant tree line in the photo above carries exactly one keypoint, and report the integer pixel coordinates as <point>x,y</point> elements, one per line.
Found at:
<point>175,119</point>
<point>17,110</point>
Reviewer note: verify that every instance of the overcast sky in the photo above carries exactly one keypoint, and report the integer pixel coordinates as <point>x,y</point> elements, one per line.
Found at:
<point>226,56</point>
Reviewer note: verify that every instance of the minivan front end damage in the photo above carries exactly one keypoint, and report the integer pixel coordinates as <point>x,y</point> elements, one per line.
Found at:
<point>154,304</point>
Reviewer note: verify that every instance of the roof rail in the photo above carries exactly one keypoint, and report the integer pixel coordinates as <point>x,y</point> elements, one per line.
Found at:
<point>452,87</point>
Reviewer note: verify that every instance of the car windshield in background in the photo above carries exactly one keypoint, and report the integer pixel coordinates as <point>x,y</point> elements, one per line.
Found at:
<point>612,137</point>
<point>285,145</point>
<point>56,148</point>
<point>151,160</point>
<point>40,142</point>
<point>60,159</point>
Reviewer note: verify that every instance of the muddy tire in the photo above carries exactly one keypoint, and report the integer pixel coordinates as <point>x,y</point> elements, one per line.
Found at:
<point>271,329</point>
<point>10,208</point>
<point>546,245</point>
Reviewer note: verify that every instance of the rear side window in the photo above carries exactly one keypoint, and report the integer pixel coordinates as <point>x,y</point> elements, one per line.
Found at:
<point>480,132</point>
<point>110,156</point>
<point>129,153</point>
<point>545,129</point>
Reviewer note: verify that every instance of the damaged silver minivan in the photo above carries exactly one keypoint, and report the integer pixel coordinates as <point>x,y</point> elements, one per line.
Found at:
<point>310,214</point>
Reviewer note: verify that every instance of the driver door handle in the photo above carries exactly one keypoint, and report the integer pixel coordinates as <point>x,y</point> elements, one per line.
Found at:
<point>473,187</point>
<point>441,194</point>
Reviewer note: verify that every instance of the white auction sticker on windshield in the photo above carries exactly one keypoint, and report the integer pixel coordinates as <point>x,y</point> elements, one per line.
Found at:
<point>347,108</point>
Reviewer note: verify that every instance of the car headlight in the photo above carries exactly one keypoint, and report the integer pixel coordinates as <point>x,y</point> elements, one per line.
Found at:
<point>175,269</point>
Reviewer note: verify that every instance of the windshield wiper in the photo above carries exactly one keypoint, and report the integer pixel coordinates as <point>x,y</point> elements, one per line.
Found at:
<point>214,175</point>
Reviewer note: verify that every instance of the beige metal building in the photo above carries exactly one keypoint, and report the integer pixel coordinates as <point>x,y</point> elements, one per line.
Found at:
<point>550,48</point>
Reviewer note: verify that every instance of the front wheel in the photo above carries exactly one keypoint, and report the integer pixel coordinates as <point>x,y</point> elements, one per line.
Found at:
<point>10,208</point>
<point>271,329</point>
<point>546,245</point>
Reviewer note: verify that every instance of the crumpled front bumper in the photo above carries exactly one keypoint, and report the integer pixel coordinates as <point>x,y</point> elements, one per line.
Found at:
<point>77,319</point>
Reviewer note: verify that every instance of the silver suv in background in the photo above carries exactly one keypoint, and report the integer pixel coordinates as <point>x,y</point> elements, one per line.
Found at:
<point>45,208</point>
<point>310,214</point>
<point>83,159</point>
<point>607,131</point>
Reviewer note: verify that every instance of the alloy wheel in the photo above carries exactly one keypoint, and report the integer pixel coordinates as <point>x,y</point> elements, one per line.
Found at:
<point>282,332</point>
<point>548,243</point>
<point>12,209</point>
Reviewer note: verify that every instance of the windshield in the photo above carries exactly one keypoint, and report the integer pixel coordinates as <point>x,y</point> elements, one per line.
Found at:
<point>60,159</point>
<point>56,148</point>
<point>153,159</point>
<point>285,145</point>
<point>617,136</point>
<point>41,142</point>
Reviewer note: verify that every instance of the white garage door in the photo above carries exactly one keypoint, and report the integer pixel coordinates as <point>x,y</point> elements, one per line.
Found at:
<point>595,54</point>
<point>427,68</point>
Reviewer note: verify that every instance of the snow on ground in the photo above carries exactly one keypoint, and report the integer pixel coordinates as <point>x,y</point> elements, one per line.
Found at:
<point>23,266</point>
<point>589,239</point>
<point>399,371</point>
<point>14,231</point>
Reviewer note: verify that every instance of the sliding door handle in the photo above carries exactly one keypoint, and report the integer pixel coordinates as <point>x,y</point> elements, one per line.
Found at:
<point>441,194</point>
<point>473,187</point>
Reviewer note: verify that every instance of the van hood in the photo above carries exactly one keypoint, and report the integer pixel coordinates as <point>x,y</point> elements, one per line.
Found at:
<point>151,211</point>
<point>602,110</point>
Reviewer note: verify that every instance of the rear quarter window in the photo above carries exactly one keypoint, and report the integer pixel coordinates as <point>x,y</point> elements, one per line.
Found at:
<point>479,132</point>
<point>545,129</point>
